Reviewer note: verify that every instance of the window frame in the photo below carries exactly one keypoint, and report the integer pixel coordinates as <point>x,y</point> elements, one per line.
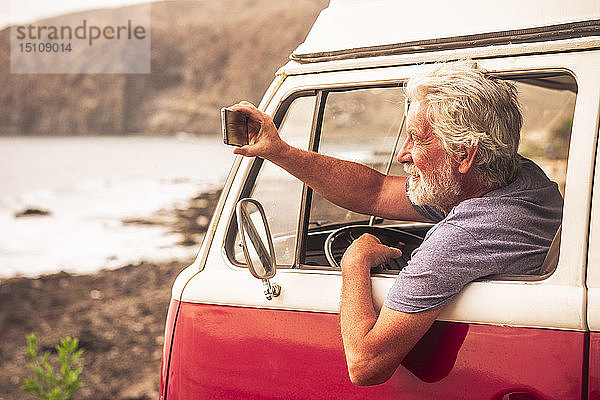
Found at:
<point>321,95</point>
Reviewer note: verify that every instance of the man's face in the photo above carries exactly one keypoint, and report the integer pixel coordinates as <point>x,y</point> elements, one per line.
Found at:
<point>435,179</point>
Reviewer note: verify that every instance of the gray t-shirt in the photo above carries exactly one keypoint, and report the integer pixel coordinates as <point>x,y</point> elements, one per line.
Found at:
<point>506,231</point>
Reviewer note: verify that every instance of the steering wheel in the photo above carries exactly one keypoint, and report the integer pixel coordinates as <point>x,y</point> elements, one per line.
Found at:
<point>338,241</point>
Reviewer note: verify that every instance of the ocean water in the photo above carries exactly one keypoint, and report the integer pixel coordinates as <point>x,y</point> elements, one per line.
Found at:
<point>89,185</point>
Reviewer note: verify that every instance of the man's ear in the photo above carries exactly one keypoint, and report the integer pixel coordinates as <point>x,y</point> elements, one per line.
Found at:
<point>467,159</point>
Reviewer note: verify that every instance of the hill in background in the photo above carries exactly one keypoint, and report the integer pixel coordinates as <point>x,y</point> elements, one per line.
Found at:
<point>205,55</point>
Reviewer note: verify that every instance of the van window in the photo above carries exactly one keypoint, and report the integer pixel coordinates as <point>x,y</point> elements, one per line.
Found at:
<point>547,105</point>
<point>366,125</point>
<point>358,125</point>
<point>362,125</point>
<point>279,192</point>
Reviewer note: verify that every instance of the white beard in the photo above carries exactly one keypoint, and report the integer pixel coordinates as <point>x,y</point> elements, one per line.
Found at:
<point>439,189</point>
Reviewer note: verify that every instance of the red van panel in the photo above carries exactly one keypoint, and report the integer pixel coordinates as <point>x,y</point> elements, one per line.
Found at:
<point>594,367</point>
<point>224,352</point>
<point>169,325</point>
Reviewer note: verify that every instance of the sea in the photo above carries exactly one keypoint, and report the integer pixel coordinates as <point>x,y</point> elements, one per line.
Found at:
<point>88,186</point>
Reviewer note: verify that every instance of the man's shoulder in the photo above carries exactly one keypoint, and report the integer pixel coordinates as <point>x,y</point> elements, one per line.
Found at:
<point>516,225</point>
<point>531,183</point>
<point>531,194</point>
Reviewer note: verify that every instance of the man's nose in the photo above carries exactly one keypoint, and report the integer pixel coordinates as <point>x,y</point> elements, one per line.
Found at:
<point>404,156</point>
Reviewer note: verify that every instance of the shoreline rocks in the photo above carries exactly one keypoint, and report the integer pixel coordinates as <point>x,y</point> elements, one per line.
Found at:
<point>33,212</point>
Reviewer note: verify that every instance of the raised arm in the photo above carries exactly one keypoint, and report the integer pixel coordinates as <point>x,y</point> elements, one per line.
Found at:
<point>348,184</point>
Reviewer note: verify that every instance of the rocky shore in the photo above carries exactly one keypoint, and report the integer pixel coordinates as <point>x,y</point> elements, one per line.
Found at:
<point>117,315</point>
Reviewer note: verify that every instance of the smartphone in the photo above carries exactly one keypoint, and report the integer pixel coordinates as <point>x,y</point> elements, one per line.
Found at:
<point>234,126</point>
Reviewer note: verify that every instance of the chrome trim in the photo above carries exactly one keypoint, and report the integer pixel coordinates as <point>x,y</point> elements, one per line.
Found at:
<point>307,192</point>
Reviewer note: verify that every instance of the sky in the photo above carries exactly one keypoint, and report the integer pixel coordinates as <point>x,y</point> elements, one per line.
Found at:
<point>25,11</point>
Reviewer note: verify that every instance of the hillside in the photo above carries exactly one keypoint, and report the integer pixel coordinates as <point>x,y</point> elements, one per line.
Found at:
<point>205,54</point>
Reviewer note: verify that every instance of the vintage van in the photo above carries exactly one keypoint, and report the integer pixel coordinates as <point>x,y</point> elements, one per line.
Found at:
<point>231,336</point>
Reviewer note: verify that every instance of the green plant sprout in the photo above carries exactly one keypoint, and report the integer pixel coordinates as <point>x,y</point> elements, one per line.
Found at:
<point>46,385</point>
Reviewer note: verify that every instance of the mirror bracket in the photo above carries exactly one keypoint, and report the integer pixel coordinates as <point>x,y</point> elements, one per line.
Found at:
<point>271,290</point>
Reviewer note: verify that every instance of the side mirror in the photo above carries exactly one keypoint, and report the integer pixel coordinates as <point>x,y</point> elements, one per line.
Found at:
<point>254,232</point>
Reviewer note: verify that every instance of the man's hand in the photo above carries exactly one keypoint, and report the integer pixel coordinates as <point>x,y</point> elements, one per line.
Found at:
<point>263,138</point>
<point>367,252</point>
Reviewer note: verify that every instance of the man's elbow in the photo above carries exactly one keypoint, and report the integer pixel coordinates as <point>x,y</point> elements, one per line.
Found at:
<point>365,373</point>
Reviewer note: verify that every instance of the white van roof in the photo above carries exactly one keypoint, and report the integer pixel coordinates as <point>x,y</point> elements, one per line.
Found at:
<point>359,28</point>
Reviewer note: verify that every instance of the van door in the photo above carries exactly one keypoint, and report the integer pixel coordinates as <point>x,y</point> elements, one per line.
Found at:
<point>512,336</point>
<point>593,278</point>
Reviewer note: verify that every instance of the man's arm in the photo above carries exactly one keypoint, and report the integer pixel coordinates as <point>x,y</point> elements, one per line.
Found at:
<point>374,346</point>
<point>348,184</point>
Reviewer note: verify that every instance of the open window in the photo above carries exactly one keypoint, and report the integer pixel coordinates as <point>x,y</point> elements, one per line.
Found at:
<point>366,124</point>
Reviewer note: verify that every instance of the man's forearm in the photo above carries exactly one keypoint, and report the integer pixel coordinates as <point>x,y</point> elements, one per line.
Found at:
<point>357,314</point>
<point>357,318</point>
<point>374,344</point>
<point>348,184</point>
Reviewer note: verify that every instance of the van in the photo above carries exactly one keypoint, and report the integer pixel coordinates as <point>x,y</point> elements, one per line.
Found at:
<point>231,336</point>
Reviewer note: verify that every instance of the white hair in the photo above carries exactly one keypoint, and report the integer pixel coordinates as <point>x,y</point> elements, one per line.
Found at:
<point>467,107</point>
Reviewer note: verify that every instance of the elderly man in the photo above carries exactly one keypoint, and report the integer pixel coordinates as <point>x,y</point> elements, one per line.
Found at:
<point>496,212</point>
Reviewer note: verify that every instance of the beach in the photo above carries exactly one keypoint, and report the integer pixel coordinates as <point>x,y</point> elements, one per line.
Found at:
<point>118,315</point>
